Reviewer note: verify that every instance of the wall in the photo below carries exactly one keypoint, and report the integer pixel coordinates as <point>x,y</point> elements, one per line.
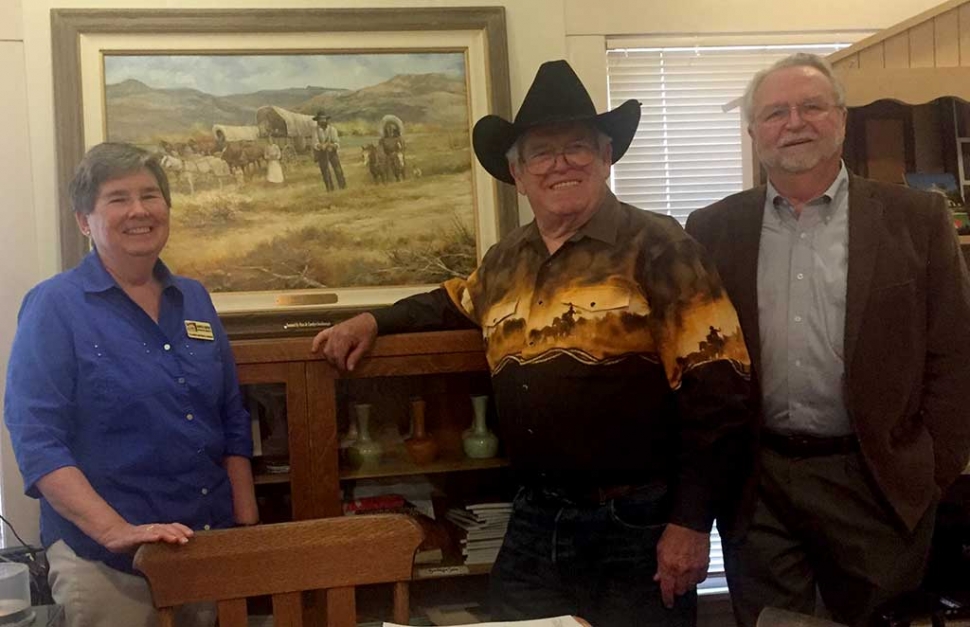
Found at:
<point>538,30</point>
<point>18,245</point>
<point>638,17</point>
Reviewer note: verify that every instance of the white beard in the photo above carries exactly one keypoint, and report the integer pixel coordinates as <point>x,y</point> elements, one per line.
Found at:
<point>802,161</point>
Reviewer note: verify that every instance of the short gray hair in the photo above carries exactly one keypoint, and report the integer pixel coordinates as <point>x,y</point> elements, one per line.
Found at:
<point>513,154</point>
<point>799,59</point>
<point>109,161</point>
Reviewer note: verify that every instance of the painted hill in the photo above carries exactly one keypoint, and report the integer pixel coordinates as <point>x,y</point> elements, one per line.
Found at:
<point>139,113</point>
<point>428,98</point>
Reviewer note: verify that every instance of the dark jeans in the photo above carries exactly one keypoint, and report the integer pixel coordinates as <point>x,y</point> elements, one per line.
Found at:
<point>327,159</point>
<point>595,561</point>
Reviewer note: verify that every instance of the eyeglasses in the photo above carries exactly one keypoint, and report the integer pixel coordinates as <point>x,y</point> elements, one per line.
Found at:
<point>577,154</point>
<point>808,111</point>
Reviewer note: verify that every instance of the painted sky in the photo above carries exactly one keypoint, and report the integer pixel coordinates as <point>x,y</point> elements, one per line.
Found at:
<point>223,75</point>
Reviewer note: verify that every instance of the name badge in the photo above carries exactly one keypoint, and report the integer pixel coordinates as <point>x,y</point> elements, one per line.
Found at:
<point>199,330</point>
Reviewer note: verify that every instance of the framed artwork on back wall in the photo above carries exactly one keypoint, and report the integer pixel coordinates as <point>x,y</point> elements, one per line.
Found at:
<point>320,160</point>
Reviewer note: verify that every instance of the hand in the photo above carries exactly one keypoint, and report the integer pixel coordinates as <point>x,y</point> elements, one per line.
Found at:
<point>682,558</point>
<point>126,538</point>
<point>346,343</point>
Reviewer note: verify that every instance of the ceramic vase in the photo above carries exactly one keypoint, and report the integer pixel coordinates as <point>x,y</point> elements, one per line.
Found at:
<point>364,451</point>
<point>479,442</point>
<point>421,447</point>
<point>349,439</point>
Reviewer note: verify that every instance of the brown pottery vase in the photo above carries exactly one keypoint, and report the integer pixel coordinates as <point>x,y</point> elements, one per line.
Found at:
<point>421,447</point>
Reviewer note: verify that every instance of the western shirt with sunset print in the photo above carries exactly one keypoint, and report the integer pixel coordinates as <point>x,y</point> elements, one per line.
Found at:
<point>617,360</point>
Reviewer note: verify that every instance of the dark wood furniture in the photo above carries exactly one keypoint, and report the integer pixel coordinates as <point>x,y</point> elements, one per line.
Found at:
<point>444,368</point>
<point>284,560</point>
<point>313,411</point>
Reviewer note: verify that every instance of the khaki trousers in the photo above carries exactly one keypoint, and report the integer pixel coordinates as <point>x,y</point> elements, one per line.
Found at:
<point>95,595</point>
<point>821,528</point>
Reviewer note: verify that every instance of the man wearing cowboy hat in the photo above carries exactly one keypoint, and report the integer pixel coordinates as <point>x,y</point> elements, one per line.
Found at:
<point>619,373</point>
<point>325,146</point>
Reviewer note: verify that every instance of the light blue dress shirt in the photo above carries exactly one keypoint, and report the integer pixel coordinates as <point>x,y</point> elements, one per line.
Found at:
<point>802,269</point>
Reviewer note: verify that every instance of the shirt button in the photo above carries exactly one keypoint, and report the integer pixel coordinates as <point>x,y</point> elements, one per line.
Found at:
<point>525,386</point>
<point>167,347</point>
<point>189,417</point>
<point>181,379</point>
<point>803,235</point>
<point>799,276</point>
<point>206,527</point>
<point>529,431</point>
<point>798,318</point>
<point>798,362</point>
<point>205,491</point>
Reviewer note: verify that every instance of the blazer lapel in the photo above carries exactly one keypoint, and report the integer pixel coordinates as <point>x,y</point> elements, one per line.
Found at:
<point>746,242</point>
<point>865,219</point>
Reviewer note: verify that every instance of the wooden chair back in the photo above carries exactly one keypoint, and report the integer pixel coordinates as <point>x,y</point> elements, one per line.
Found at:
<point>283,560</point>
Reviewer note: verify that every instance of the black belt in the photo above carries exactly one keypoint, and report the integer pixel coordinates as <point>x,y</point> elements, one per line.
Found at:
<point>809,445</point>
<point>587,496</point>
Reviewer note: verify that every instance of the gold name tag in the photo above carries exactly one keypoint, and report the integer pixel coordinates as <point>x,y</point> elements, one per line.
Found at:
<point>199,330</point>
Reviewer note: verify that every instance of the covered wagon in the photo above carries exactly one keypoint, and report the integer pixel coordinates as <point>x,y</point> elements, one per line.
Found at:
<point>225,133</point>
<point>296,129</point>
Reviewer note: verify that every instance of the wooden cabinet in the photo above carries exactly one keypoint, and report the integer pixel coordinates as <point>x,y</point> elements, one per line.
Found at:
<point>443,368</point>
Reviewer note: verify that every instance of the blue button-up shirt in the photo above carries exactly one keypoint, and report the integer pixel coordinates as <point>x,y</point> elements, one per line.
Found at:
<point>145,412</point>
<point>802,270</point>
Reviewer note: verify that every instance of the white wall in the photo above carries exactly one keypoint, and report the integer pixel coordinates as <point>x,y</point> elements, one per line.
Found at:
<point>637,17</point>
<point>538,30</point>
<point>18,245</point>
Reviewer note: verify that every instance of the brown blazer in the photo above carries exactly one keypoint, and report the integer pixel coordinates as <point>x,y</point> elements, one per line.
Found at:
<point>907,339</point>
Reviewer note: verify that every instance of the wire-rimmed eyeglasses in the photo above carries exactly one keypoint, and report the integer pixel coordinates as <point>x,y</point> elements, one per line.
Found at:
<point>809,111</point>
<point>576,154</point>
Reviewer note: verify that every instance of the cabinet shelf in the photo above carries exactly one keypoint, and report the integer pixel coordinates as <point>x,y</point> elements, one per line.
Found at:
<point>445,367</point>
<point>446,569</point>
<point>398,466</point>
<point>268,478</point>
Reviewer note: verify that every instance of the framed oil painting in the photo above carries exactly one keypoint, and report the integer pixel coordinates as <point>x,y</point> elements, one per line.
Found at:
<point>320,160</point>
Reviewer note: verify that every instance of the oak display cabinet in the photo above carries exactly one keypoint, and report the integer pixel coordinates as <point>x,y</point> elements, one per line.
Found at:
<point>282,378</point>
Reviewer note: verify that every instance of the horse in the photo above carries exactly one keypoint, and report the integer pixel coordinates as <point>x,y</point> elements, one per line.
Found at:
<point>177,169</point>
<point>241,155</point>
<point>376,163</point>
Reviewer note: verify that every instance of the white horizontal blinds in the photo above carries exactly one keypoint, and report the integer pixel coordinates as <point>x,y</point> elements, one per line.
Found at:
<point>687,150</point>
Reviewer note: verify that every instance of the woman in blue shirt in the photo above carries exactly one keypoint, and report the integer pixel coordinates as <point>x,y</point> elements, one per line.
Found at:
<point>122,400</point>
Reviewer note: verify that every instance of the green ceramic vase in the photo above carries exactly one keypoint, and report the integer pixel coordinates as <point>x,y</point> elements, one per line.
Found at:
<point>364,451</point>
<point>479,442</point>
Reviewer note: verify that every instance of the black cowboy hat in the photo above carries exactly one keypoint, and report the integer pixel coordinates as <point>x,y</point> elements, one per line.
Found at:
<point>321,115</point>
<point>556,96</point>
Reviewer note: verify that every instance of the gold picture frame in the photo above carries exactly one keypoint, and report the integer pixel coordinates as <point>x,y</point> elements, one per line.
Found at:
<point>87,44</point>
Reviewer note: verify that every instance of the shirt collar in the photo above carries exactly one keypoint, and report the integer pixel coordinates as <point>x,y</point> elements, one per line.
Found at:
<point>96,278</point>
<point>603,226</point>
<point>826,202</point>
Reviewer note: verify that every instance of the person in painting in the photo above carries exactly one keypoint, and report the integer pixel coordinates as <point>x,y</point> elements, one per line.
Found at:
<point>620,415</point>
<point>854,300</point>
<point>326,145</point>
<point>122,401</point>
<point>274,169</point>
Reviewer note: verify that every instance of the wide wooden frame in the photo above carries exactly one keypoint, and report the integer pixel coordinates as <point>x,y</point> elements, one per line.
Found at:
<point>71,27</point>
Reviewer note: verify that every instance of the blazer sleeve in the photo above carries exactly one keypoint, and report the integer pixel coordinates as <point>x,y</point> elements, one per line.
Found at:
<point>944,407</point>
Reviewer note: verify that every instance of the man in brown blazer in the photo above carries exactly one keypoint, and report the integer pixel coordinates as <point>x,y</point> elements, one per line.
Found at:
<point>854,301</point>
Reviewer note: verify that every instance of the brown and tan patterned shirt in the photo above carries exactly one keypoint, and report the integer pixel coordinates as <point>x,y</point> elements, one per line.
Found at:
<point>619,359</point>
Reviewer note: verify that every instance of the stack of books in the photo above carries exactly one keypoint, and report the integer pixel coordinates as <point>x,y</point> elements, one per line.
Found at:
<point>484,525</point>
<point>435,535</point>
